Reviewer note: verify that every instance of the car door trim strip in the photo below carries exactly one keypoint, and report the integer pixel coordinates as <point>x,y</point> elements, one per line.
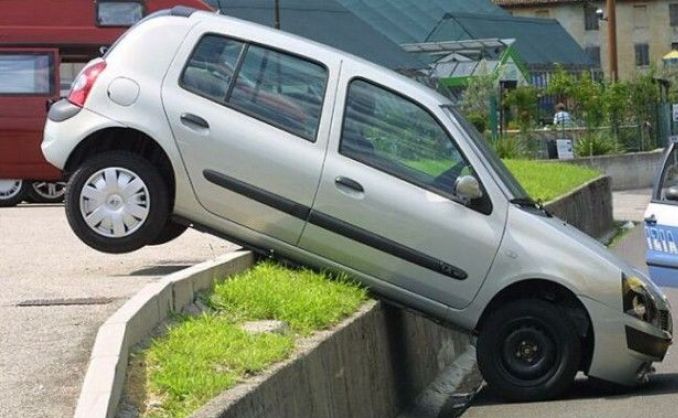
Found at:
<point>335,225</point>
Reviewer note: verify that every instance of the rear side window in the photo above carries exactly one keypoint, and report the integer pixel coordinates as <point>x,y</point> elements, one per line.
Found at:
<point>119,12</point>
<point>26,74</point>
<point>210,69</point>
<point>277,88</point>
<point>394,134</point>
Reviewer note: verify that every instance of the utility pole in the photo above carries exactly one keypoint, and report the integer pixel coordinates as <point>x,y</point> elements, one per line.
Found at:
<point>612,39</point>
<point>277,14</point>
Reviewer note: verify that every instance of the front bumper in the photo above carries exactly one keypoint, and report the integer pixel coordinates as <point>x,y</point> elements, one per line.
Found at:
<point>624,347</point>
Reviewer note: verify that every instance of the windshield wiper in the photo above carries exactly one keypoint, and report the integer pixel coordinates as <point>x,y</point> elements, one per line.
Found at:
<point>528,202</point>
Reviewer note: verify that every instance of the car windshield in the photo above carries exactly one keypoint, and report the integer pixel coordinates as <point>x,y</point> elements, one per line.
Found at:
<point>514,188</point>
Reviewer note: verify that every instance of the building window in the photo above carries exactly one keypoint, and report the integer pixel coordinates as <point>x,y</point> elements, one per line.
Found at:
<point>594,53</point>
<point>673,13</point>
<point>26,74</point>
<point>640,17</point>
<point>591,21</point>
<point>642,55</point>
<point>119,12</point>
<point>543,14</point>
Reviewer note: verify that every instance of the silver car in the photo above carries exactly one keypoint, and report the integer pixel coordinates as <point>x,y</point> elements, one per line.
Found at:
<point>298,150</point>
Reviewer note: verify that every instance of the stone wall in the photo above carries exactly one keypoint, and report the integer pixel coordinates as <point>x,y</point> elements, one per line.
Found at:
<point>589,208</point>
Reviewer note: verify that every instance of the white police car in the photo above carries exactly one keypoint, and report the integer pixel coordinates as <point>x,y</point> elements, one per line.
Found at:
<point>661,222</point>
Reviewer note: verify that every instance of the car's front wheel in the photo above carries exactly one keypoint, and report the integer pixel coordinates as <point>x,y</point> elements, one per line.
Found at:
<point>528,350</point>
<point>12,192</point>
<point>117,202</point>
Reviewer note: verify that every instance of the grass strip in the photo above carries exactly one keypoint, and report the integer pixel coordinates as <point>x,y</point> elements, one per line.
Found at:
<point>201,356</point>
<point>546,181</point>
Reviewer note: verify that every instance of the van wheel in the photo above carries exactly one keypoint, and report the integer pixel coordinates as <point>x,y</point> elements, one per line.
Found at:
<point>528,350</point>
<point>117,202</point>
<point>46,192</point>
<point>171,232</point>
<point>12,192</point>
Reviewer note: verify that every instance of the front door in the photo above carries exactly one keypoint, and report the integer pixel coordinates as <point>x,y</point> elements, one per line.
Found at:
<point>386,205</point>
<point>661,223</point>
<point>251,127</point>
<point>28,79</point>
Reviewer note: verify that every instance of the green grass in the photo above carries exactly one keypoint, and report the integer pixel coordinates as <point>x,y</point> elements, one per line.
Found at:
<point>199,357</point>
<point>547,181</point>
<point>542,181</point>
<point>304,299</point>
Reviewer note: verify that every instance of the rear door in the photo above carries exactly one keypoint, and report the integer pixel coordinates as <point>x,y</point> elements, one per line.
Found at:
<point>28,79</point>
<point>661,223</point>
<point>251,122</point>
<point>386,205</point>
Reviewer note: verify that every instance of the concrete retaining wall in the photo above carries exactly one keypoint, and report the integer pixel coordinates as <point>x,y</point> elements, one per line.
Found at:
<point>589,208</point>
<point>628,171</point>
<point>373,365</point>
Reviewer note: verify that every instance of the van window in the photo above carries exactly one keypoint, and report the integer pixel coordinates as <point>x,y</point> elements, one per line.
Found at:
<point>210,69</point>
<point>119,12</point>
<point>393,134</point>
<point>282,90</point>
<point>29,74</point>
<point>670,176</point>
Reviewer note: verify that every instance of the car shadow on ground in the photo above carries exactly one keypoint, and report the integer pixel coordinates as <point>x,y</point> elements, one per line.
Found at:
<point>583,388</point>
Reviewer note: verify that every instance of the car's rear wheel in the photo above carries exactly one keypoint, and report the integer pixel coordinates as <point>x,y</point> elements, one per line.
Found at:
<point>46,192</point>
<point>528,350</point>
<point>12,192</point>
<point>117,202</point>
<point>171,232</point>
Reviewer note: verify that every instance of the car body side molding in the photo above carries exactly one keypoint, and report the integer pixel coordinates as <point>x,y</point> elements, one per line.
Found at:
<point>335,225</point>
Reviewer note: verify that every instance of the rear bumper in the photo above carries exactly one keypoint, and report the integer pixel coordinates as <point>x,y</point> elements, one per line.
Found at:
<point>60,138</point>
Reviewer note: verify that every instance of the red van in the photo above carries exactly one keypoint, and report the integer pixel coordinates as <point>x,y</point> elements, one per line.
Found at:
<point>43,46</point>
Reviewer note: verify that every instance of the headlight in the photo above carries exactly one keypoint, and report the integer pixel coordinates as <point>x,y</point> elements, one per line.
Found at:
<point>637,300</point>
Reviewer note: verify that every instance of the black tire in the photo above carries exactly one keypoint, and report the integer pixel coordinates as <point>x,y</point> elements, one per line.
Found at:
<point>157,203</point>
<point>171,232</point>
<point>510,364</point>
<point>13,194</point>
<point>36,195</point>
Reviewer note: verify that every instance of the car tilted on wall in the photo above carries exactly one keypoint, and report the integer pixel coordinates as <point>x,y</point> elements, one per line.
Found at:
<point>294,148</point>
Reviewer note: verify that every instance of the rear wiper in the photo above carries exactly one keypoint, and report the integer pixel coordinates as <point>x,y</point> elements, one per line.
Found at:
<point>528,202</point>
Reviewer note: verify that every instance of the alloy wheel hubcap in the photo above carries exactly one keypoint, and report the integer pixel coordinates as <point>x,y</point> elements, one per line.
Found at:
<point>10,188</point>
<point>50,190</point>
<point>114,202</point>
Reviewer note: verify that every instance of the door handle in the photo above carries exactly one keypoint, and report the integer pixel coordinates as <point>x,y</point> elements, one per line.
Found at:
<point>350,184</point>
<point>192,121</point>
<point>651,220</point>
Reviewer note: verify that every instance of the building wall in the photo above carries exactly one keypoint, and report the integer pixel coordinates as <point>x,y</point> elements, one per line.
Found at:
<point>657,33</point>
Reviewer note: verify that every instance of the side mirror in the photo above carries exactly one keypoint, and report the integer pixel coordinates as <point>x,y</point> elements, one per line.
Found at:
<point>672,194</point>
<point>468,188</point>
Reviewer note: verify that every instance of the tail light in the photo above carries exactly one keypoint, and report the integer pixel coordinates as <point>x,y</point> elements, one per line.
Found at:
<point>85,81</point>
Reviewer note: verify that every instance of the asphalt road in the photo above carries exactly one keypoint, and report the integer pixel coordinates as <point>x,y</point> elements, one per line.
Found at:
<point>657,399</point>
<point>44,349</point>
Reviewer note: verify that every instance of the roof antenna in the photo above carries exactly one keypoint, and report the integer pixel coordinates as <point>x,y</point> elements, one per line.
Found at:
<point>277,14</point>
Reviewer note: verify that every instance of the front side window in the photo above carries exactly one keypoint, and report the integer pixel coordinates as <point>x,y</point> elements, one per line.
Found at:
<point>211,68</point>
<point>119,12</point>
<point>669,178</point>
<point>281,89</point>
<point>393,134</point>
<point>29,74</point>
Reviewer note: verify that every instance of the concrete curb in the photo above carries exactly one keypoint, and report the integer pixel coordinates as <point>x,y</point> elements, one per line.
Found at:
<point>107,368</point>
